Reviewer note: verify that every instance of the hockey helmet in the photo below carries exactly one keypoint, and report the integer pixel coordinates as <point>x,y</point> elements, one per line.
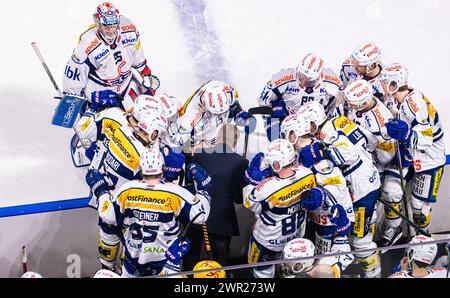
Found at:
<point>309,71</point>
<point>151,162</point>
<point>423,253</point>
<point>31,274</point>
<point>104,273</point>
<point>297,248</point>
<point>313,112</point>
<point>394,76</point>
<point>365,56</point>
<point>358,95</point>
<point>294,127</point>
<point>279,153</point>
<point>106,17</point>
<point>154,124</point>
<point>208,264</point>
<point>214,99</point>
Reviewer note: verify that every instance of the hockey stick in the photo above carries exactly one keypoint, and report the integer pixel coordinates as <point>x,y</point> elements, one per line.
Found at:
<point>24,260</point>
<point>402,182</point>
<point>410,223</point>
<point>255,111</point>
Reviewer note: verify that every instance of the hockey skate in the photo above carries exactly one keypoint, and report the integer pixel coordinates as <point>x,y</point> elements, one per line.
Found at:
<point>390,237</point>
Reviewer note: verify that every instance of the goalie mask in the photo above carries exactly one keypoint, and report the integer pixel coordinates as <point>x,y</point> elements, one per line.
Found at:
<point>106,18</point>
<point>297,248</point>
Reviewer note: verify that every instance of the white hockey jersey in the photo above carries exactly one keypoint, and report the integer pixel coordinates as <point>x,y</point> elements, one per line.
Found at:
<point>350,141</point>
<point>330,177</point>
<point>150,216</point>
<point>284,86</point>
<point>95,65</point>
<point>196,122</point>
<point>277,206</point>
<point>374,120</point>
<point>433,272</point>
<point>427,142</point>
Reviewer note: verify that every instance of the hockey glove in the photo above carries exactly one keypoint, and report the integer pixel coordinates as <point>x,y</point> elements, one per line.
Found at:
<point>272,129</point>
<point>254,175</point>
<point>406,157</point>
<point>151,83</point>
<point>341,221</point>
<point>97,182</point>
<point>201,179</point>
<point>173,163</point>
<point>399,130</point>
<point>310,154</point>
<point>279,109</point>
<point>248,121</point>
<point>104,99</point>
<point>177,250</point>
<point>313,198</point>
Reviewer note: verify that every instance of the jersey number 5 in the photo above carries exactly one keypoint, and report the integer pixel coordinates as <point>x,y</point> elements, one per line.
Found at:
<point>118,57</point>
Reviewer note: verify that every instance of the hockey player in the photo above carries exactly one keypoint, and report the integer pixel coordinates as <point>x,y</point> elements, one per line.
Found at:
<point>100,68</point>
<point>103,273</point>
<point>149,212</point>
<point>344,143</point>
<point>330,228</point>
<point>417,261</point>
<point>419,129</point>
<point>291,88</point>
<point>276,201</point>
<point>369,112</point>
<point>302,248</point>
<point>205,111</point>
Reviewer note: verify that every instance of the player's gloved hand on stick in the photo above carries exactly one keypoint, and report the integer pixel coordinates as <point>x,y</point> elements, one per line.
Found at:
<point>177,250</point>
<point>399,130</point>
<point>104,99</point>
<point>341,221</point>
<point>173,162</point>
<point>279,109</point>
<point>313,198</point>
<point>254,175</point>
<point>243,118</point>
<point>97,182</point>
<point>201,179</point>
<point>310,154</point>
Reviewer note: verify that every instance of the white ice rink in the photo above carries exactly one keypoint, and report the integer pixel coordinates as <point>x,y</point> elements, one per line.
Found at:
<point>187,42</point>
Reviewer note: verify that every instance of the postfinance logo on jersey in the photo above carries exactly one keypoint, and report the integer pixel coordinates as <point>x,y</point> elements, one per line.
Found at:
<point>344,124</point>
<point>291,193</point>
<point>124,149</point>
<point>149,199</point>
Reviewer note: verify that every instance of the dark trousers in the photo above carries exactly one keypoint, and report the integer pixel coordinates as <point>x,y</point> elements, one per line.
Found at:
<point>220,248</point>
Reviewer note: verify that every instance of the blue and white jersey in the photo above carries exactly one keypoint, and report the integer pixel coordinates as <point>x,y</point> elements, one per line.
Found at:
<point>277,205</point>
<point>433,272</point>
<point>284,86</point>
<point>427,142</point>
<point>95,65</point>
<point>150,216</point>
<point>351,144</point>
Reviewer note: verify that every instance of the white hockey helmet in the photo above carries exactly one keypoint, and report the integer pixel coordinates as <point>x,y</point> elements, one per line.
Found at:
<point>423,253</point>
<point>151,161</point>
<point>297,248</point>
<point>366,55</point>
<point>296,124</point>
<point>214,99</point>
<point>309,71</point>
<point>144,103</point>
<point>394,75</point>
<point>313,112</point>
<point>107,18</point>
<point>279,154</point>
<point>31,274</point>
<point>170,106</point>
<point>358,95</point>
<point>153,123</point>
<point>104,273</point>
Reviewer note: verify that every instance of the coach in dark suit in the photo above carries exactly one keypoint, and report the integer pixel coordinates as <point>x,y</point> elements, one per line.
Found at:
<point>226,169</point>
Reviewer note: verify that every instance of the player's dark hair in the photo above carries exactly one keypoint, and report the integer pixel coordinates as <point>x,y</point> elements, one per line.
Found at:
<point>421,264</point>
<point>403,88</point>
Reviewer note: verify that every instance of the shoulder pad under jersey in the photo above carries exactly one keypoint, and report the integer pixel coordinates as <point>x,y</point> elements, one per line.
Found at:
<point>126,25</point>
<point>417,106</point>
<point>88,41</point>
<point>328,133</point>
<point>330,78</point>
<point>282,77</point>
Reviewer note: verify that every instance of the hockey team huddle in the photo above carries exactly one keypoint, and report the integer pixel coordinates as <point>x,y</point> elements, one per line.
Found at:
<point>339,145</point>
